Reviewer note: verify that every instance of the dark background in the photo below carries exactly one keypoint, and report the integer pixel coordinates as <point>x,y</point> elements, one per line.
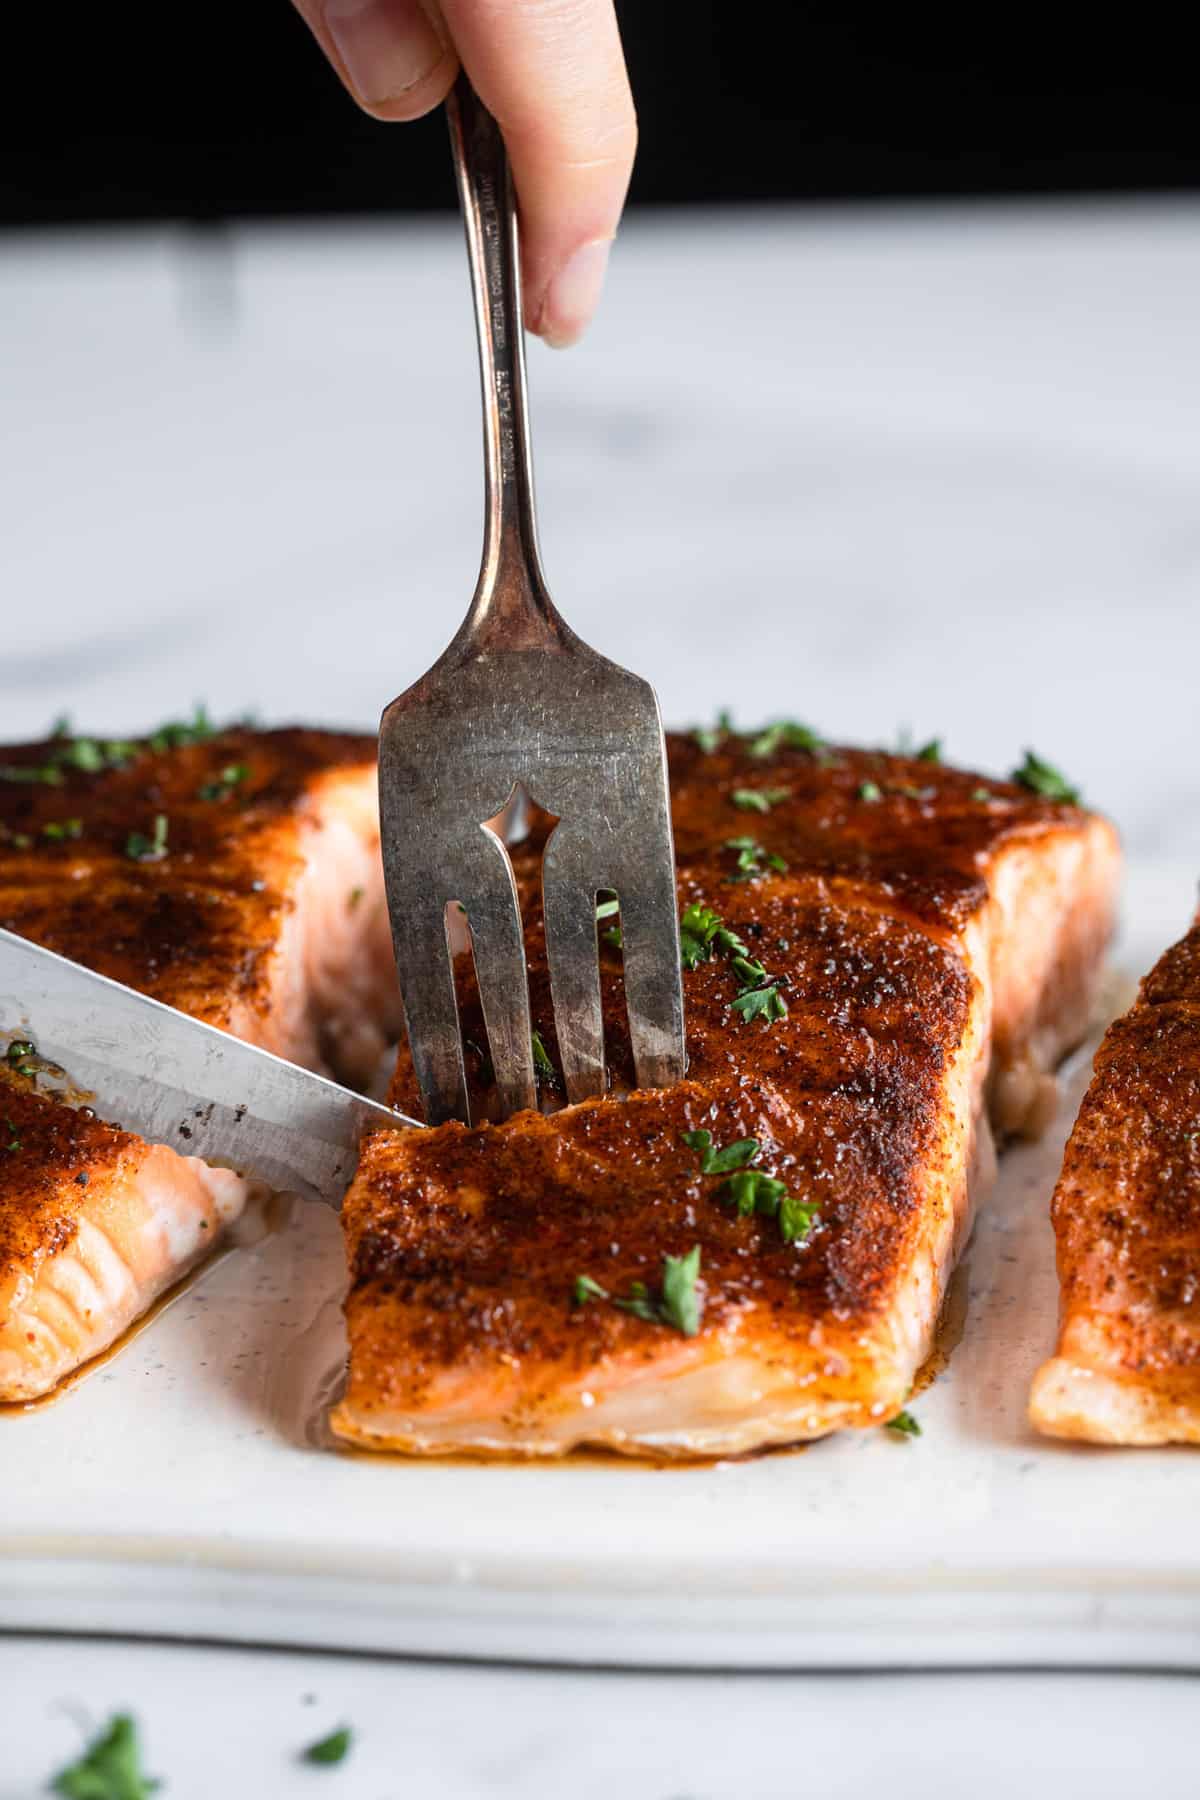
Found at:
<point>109,114</point>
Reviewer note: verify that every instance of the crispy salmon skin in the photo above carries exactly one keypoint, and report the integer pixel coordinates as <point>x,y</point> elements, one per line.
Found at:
<point>757,1256</point>
<point>233,874</point>
<point>1127,1223</point>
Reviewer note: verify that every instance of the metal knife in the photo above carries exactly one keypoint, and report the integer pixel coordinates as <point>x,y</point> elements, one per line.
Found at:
<point>154,1071</point>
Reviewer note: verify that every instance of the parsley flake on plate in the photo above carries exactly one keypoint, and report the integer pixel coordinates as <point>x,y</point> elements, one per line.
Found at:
<point>22,1056</point>
<point>870,792</point>
<point>329,1750</point>
<point>903,1425</point>
<point>110,1768</point>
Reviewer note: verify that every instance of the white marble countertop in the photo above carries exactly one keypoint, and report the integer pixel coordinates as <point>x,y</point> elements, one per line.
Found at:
<point>872,470</point>
<point>222,1724</point>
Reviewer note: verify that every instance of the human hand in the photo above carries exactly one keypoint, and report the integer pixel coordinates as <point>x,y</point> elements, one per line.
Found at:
<point>553,74</point>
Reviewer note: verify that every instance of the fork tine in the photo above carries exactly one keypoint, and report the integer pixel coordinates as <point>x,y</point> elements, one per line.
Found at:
<point>650,945</point>
<point>489,893</point>
<point>430,1007</point>
<point>569,902</point>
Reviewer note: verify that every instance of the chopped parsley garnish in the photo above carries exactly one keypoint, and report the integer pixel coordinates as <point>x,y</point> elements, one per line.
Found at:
<point>678,1304</point>
<point>796,1219</point>
<point>57,829</point>
<point>231,776</point>
<point>710,737</point>
<point>720,1162</point>
<point>91,755</point>
<point>982,794</point>
<point>753,1190</point>
<point>586,1289</point>
<point>750,1190</point>
<point>177,733</point>
<point>785,734</point>
<point>765,1003</point>
<point>904,1425</point>
<point>703,934</point>
<point>543,1068</point>
<point>608,909</point>
<point>110,1768</point>
<point>31,772</point>
<point>22,1057</point>
<point>1044,779</point>
<point>682,1306</point>
<point>331,1749</point>
<point>759,800</point>
<point>353,898</point>
<point>930,752</point>
<point>14,1142</point>
<point>139,848</point>
<point>61,727</point>
<point>870,791</point>
<point>753,859</point>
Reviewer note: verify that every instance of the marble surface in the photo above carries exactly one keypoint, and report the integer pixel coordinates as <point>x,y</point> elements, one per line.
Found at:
<point>230,1723</point>
<point>934,469</point>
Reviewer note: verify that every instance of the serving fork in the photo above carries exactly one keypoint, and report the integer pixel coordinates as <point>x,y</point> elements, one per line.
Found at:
<point>519,703</point>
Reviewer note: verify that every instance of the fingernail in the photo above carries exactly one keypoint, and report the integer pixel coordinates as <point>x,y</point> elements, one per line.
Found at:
<point>572,295</point>
<point>387,46</point>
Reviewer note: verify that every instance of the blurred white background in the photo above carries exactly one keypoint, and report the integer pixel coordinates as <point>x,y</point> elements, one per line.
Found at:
<point>935,469</point>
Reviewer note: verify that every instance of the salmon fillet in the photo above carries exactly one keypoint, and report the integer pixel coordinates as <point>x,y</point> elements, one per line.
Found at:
<point>1127,1222</point>
<point>257,905</point>
<point>609,1276</point>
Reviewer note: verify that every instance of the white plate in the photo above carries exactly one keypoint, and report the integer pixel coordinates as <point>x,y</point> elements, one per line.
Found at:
<point>930,467</point>
<point>186,1489</point>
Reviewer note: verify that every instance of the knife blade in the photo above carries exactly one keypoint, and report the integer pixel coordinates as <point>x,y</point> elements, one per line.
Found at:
<point>171,1079</point>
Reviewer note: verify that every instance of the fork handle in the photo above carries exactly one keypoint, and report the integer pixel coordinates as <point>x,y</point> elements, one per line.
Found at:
<point>512,609</point>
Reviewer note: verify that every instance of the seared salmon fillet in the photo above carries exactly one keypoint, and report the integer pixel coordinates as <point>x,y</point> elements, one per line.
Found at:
<point>235,875</point>
<point>1127,1223</point>
<point>757,1256</point>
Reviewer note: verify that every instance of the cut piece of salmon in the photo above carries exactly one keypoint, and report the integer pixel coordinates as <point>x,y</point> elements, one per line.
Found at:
<point>1127,1223</point>
<point>95,1225</point>
<point>256,905</point>
<point>580,1279</point>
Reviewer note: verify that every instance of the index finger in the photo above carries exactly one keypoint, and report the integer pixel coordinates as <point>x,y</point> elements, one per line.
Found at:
<point>553,74</point>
